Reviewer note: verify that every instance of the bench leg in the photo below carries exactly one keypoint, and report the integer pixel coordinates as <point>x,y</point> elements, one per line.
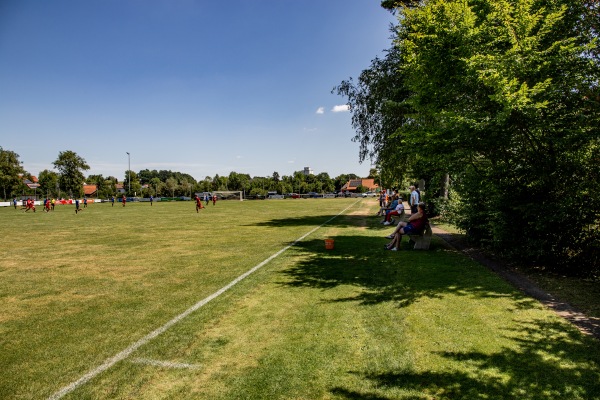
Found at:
<point>421,242</point>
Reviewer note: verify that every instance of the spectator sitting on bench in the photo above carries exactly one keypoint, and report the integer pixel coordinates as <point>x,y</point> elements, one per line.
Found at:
<point>384,204</point>
<point>399,210</point>
<point>390,207</point>
<point>415,226</point>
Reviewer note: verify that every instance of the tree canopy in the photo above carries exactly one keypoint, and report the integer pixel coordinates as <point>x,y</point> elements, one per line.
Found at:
<point>70,167</point>
<point>11,172</point>
<point>503,96</point>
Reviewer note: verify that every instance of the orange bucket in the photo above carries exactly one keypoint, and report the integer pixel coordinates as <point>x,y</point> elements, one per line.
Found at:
<point>329,244</point>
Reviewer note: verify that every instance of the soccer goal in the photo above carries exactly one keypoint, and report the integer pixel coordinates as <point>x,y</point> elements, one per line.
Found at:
<point>229,195</point>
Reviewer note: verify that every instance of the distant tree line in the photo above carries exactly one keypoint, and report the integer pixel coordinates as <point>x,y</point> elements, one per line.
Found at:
<point>69,178</point>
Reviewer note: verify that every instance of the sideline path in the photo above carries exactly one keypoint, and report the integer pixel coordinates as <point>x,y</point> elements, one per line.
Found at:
<point>585,324</point>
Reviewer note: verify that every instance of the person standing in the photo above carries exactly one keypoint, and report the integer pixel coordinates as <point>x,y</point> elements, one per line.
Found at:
<point>124,200</point>
<point>84,201</point>
<point>413,200</point>
<point>53,201</point>
<point>76,206</point>
<point>112,200</point>
<point>151,200</point>
<point>15,202</point>
<point>214,199</point>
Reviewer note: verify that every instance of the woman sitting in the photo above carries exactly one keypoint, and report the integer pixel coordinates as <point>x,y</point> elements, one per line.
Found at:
<point>415,226</point>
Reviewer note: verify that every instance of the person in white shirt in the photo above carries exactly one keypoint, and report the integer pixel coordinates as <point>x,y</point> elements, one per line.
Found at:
<point>413,202</point>
<point>398,210</point>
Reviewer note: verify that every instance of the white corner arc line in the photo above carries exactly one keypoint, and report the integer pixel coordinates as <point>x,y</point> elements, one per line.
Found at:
<point>108,363</point>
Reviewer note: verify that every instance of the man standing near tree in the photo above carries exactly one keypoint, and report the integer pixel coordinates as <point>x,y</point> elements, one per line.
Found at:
<point>413,201</point>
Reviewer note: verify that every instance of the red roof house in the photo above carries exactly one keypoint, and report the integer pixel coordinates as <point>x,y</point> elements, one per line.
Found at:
<point>355,183</point>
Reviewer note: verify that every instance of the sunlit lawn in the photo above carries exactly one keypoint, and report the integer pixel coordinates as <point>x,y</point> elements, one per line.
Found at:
<point>355,322</point>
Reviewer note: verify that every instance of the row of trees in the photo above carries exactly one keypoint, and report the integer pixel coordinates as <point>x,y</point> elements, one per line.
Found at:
<point>69,178</point>
<point>496,103</point>
<point>169,183</point>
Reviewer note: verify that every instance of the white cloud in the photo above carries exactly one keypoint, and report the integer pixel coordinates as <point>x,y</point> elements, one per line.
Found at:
<point>341,108</point>
<point>321,110</point>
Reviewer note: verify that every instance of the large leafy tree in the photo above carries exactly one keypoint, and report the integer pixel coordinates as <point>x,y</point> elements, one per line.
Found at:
<point>70,167</point>
<point>48,181</point>
<point>157,185</point>
<point>236,181</point>
<point>504,96</point>
<point>171,185</point>
<point>132,184</point>
<point>11,172</point>
<point>498,95</point>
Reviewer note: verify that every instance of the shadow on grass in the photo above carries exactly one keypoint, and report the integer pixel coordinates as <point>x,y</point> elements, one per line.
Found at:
<point>550,363</point>
<point>402,277</point>
<point>345,220</point>
<point>545,360</point>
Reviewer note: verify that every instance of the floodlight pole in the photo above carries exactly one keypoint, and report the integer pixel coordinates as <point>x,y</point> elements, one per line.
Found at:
<point>129,172</point>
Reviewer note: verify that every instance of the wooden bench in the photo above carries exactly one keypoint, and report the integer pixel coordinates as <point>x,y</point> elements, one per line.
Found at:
<point>423,240</point>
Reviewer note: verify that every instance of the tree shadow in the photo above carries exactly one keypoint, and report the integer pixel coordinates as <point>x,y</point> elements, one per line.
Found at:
<point>546,361</point>
<point>541,359</point>
<point>343,220</point>
<point>385,276</point>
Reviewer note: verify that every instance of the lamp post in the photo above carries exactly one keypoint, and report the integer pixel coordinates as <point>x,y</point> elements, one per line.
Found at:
<point>129,172</point>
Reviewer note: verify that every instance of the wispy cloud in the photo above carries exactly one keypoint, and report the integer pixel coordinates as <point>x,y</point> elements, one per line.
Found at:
<point>321,110</point>
<point>340,108</point>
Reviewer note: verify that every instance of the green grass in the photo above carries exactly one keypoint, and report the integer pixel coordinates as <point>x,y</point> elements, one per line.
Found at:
<point>583,294</point>
<point>352,323</point>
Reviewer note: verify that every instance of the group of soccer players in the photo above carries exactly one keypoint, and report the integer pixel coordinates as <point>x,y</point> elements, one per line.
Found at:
<point>49,203</point>
<point>207,198</point>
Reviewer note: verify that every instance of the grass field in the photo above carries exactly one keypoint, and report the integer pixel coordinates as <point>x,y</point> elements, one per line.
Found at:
<point>355,322</point>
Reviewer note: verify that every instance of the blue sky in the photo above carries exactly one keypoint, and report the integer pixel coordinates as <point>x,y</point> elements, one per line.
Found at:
<point>200,87</point>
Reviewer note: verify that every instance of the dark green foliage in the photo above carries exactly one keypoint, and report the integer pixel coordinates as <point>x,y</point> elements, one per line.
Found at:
<point>503,96</point>
<point>70,167</point>
<point>11,173</point>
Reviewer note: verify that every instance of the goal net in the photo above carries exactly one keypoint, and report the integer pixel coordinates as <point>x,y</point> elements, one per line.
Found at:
<point>228,195</point>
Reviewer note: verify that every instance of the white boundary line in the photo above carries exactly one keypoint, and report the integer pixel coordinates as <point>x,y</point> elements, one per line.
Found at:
<point>165,364</point>
<point>134,346</point>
